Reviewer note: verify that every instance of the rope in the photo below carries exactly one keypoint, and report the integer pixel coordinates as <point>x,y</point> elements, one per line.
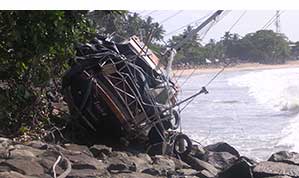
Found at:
<point>54,166</point>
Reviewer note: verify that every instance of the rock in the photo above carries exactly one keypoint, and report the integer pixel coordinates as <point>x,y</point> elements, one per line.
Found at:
<point>222,147</point>
<point>145,157</point>
<point>99,150</point>
<point>132,175</point>
<point>3,167</point>
<point>242,168</point>
<point>199,165</point>
<point>25,166</point>
<point>47,160</point>
<point>286,157</point>
<point>220,160</point>
<point>198,151</point>
<point>21,153</point>
<point>26,151</point>
<point>179,164</point>
<point>140,164</point>
<point>279,177</point>
<point>152,171</point>
<point>5,142</point>
<point>4,153</point>
<point>269,168</point>
<point>187,172</point>
<point>78,148</point>
<point>83,161</point>
<point>163,163</point>
<point>120,162</point>
<point>11,174</point>
<point>206,174</point>
<point>38,144</point>
<point>76,173</point>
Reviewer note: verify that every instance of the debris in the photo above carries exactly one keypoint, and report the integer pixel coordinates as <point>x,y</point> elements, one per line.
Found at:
<point>120,91</point>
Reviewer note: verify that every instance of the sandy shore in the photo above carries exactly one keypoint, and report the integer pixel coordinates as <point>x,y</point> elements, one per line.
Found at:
<point>238,67</point>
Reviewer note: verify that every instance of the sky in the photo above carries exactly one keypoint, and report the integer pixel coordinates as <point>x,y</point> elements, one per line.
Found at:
<point>251,21</point>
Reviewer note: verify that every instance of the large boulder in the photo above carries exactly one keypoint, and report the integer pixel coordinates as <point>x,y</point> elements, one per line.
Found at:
<point>286,157</point>
<point>200,165</point>
<point>24,151</point>
<point>222,147</point>
<point>221,160</point>
<point>241,169</point>
<point>83,161</point>
<point>269,168</point>
<point>25,166</point>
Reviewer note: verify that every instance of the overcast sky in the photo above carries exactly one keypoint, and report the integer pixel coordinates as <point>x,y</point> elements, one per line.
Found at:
<point>251,21</point>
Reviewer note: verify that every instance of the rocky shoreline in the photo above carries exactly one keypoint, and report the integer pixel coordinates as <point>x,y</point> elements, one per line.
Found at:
<point>38,159</point>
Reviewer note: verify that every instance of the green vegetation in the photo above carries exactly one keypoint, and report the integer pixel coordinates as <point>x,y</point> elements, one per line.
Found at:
<point>34,48</point>
<point>263,46</point>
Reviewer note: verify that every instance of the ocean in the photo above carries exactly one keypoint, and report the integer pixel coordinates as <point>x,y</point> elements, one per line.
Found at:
<point>255,111</point>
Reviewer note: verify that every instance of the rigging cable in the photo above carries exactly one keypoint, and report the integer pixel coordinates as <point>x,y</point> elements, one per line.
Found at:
<point>150,13</point>
<point>199,92</point>
<point>196,21</point>
<point>201,38</point>
<point>271,20</point>
<point>170,17</point>
<point>237,21</point>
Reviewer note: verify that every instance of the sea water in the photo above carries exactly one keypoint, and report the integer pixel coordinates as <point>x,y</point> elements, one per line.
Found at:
<point>254,111</point>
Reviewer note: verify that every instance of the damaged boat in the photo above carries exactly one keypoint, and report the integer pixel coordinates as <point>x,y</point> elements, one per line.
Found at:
<point>123,91</point>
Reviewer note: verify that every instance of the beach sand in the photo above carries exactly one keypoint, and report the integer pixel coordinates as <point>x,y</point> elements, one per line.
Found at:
<point>238,67</point>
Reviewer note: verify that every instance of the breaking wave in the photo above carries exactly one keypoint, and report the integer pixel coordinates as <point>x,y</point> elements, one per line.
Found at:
<point>278,90</point>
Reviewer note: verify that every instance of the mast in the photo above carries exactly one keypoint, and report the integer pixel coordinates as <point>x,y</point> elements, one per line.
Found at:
<point>172,51</point>
<point>196,30</point>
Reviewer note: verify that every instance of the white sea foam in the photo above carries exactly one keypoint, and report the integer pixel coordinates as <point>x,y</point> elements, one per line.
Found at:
<point>278,90</point>
<point>291,135</point>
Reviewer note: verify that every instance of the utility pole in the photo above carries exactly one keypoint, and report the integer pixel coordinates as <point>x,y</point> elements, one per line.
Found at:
<point>277,21</point>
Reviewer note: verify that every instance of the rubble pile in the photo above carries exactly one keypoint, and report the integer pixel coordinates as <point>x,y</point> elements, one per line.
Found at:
<point>38,159</point>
